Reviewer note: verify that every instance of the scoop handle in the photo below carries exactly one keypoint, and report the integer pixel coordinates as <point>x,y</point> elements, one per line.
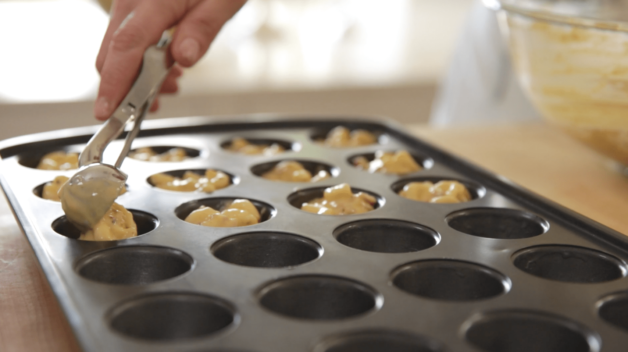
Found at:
<point>133,132</point>
<point>154,70</point>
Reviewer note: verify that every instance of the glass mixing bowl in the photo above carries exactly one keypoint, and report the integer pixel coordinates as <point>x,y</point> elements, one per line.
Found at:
<point>572,60</point>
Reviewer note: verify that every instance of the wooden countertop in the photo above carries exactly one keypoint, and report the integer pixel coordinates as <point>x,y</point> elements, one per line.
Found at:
<point>535,156</point>
<point>546,161</point>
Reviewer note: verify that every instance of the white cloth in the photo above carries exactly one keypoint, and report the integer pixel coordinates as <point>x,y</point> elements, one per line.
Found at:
<point>480,86</point>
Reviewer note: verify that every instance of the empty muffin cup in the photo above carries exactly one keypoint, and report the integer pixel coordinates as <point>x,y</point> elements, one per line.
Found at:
<point>386,236</point>
<point>497,223</point>
<point>172,316</point>
<point>450,280</point>
<point>569,264</point>
<point>378,341</point>
<point>314,167</point>
<point>319,297</point>
<point>526,331</point>
<point>266,249</point>
<point>145,223</point>
<point>265,210</point>
<point>614,309</point>
<point>134,265</point>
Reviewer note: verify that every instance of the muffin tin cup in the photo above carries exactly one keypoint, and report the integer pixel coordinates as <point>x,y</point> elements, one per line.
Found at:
<point>31,158</point>
<point>287,145</point>
<point>378,341</point>
<point>172,316</point>
<point>319,298</point>
<point>497,223</point>
<point>450,280</point>
<point>475,190</point>
<point>144,221</point>
<point>233,180</point>
<point>160,149</point>
<point>386,236</point>
<point>506,269</point>
<point>296,199</point>
<point>522,331</point>
<point>266,250</point>
<point>134,265</point>
<point>613,309</point>
<point>313,166</point>
<point>265,210</point>
<point>424,162</point>
<point>569,264</point>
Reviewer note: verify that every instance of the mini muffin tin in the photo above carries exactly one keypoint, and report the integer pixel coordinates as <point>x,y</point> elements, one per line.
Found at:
<point>507,271</point>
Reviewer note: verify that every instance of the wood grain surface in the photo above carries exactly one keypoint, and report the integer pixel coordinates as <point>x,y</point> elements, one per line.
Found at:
<point>31,317</point>
<point>535,156</point>
<point>545,161</point>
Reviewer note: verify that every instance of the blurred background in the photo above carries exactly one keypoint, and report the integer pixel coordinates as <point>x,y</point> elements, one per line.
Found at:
<point>346,57</point>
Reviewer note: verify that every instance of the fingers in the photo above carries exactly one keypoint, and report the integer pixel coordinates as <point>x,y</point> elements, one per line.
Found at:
<point>126,49</point>
<point>170,85</point>
<point>119,11</point>
<point>155,105</point>
<point>199,27</point>
<point>137,24</point>
<point>176,71</point>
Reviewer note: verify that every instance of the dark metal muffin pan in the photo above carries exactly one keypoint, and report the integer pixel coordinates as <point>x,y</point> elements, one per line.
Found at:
<point>507,271</point>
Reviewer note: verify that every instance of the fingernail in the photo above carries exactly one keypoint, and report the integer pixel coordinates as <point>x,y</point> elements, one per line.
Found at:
<point>189,49</point>
<point>101,108</point>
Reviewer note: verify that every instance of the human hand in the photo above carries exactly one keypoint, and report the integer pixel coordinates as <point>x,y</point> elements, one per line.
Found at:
<point>137,24</point>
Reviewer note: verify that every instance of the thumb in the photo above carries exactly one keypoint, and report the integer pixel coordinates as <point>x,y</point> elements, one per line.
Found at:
<point>197,30</point>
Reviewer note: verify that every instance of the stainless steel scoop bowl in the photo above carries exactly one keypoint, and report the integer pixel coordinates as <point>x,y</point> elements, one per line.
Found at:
<point>89,194</point>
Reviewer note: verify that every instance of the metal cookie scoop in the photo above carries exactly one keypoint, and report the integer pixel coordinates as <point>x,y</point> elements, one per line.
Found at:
<point>89,194</point>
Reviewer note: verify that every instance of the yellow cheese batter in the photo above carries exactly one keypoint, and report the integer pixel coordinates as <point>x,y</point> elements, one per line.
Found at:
<point>191,181</point>
<point>441,192</point>
<point>59,161</point>
<point>51,189</point>
<point>85,200</point>
<point>340,200</point>
<point>117,224</point>
<point>293,171</point>
<point>399,163</point>
<point>241,145</point>
<point>240,212</point>
<point>341,137</point>
<point>148,154</point>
